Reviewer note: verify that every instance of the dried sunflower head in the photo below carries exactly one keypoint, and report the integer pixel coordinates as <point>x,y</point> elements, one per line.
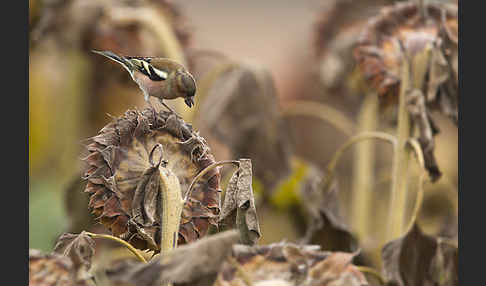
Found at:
<point>119,159</point>
<point>288,264</point>
<point>337,26</point>
<point>407,27</point>
<point>52,269</point>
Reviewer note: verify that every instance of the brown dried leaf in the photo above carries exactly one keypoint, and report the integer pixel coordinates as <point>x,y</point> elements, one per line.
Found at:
<point>326,227</point>
<point>239,198</point>
<point>195,264</point>
<point>78,247</point>
<point>419,259</point>
<point>241,110</point>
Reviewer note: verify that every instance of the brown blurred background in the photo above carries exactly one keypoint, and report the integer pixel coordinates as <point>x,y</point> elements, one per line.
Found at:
<point>276,34</point>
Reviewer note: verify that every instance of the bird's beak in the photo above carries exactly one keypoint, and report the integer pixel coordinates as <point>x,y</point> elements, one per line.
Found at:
<point>189,101</point>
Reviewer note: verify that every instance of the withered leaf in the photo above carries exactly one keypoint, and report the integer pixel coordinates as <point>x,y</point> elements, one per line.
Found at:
<point>195,264</point>
<point>241,109</point>
<point>421,118</point>
<point>419,259</point>
<point>78,247</point>
<point>325,224</point>
<point>239,198</point>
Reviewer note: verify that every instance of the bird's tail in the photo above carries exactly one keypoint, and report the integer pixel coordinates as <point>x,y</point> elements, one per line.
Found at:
<point>119,59</point>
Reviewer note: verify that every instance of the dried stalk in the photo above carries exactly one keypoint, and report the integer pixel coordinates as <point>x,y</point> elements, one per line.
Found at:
<point>400,160</point>
<point>325,112</point>
<point>363,175</point>
<point>207,169</point>
<point>415,145</point>
<point>121,241</point>
<point>373,272</point>
<point>358,138</point>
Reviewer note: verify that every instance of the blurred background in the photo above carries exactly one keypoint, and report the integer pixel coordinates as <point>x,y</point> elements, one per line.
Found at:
<point>73,93</point>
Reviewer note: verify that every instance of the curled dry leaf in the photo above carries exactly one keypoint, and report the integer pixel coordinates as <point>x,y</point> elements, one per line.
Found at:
<point>241,110</point>
<point>196,264</point>
<point>326,227</point>
<point>53,269</point>
<point>288,264</point>
<point>239,205</point>
<point>419,259</point>
<point>80,248</point>
<point>122,181</point>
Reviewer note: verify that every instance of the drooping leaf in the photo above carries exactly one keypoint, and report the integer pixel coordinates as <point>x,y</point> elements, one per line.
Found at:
<point>326,227</point>
<point>239,205</point>
<point>79,248</point>
<point>419,259</point>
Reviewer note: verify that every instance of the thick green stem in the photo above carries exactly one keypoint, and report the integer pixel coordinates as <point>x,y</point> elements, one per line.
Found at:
<point>363,175</point>
<point>400,161</point>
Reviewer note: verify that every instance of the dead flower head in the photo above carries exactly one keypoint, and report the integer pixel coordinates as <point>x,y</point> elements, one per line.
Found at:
<point>120,185</point>
<point>407,27</point>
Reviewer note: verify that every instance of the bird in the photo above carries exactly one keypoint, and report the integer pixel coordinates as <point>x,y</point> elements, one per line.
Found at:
<point>159,77</point>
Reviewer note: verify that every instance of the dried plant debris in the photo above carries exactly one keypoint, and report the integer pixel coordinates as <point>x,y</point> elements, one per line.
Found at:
<point>241,110</point>
<point>427,38</point>
<point>325,226</point>
<point>419,259</point>
<point>119,184</point>
<point>53,269</point>
<point>79,248</point>
<point>239,205</point>
<point>338,25</point>
<point>288,264</point>
<point>196,264</point>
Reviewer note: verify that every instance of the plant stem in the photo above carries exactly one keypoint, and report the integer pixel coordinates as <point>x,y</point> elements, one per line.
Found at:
<point>360,137</point>
<point>121,241</point>
<point>207,169</point>
<point>325,112</point>
<point>363,175</point>
<point>400,160</point>
<point>369,270</point>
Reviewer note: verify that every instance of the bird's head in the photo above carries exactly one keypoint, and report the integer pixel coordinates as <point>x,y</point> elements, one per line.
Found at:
<point>187,86</point>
